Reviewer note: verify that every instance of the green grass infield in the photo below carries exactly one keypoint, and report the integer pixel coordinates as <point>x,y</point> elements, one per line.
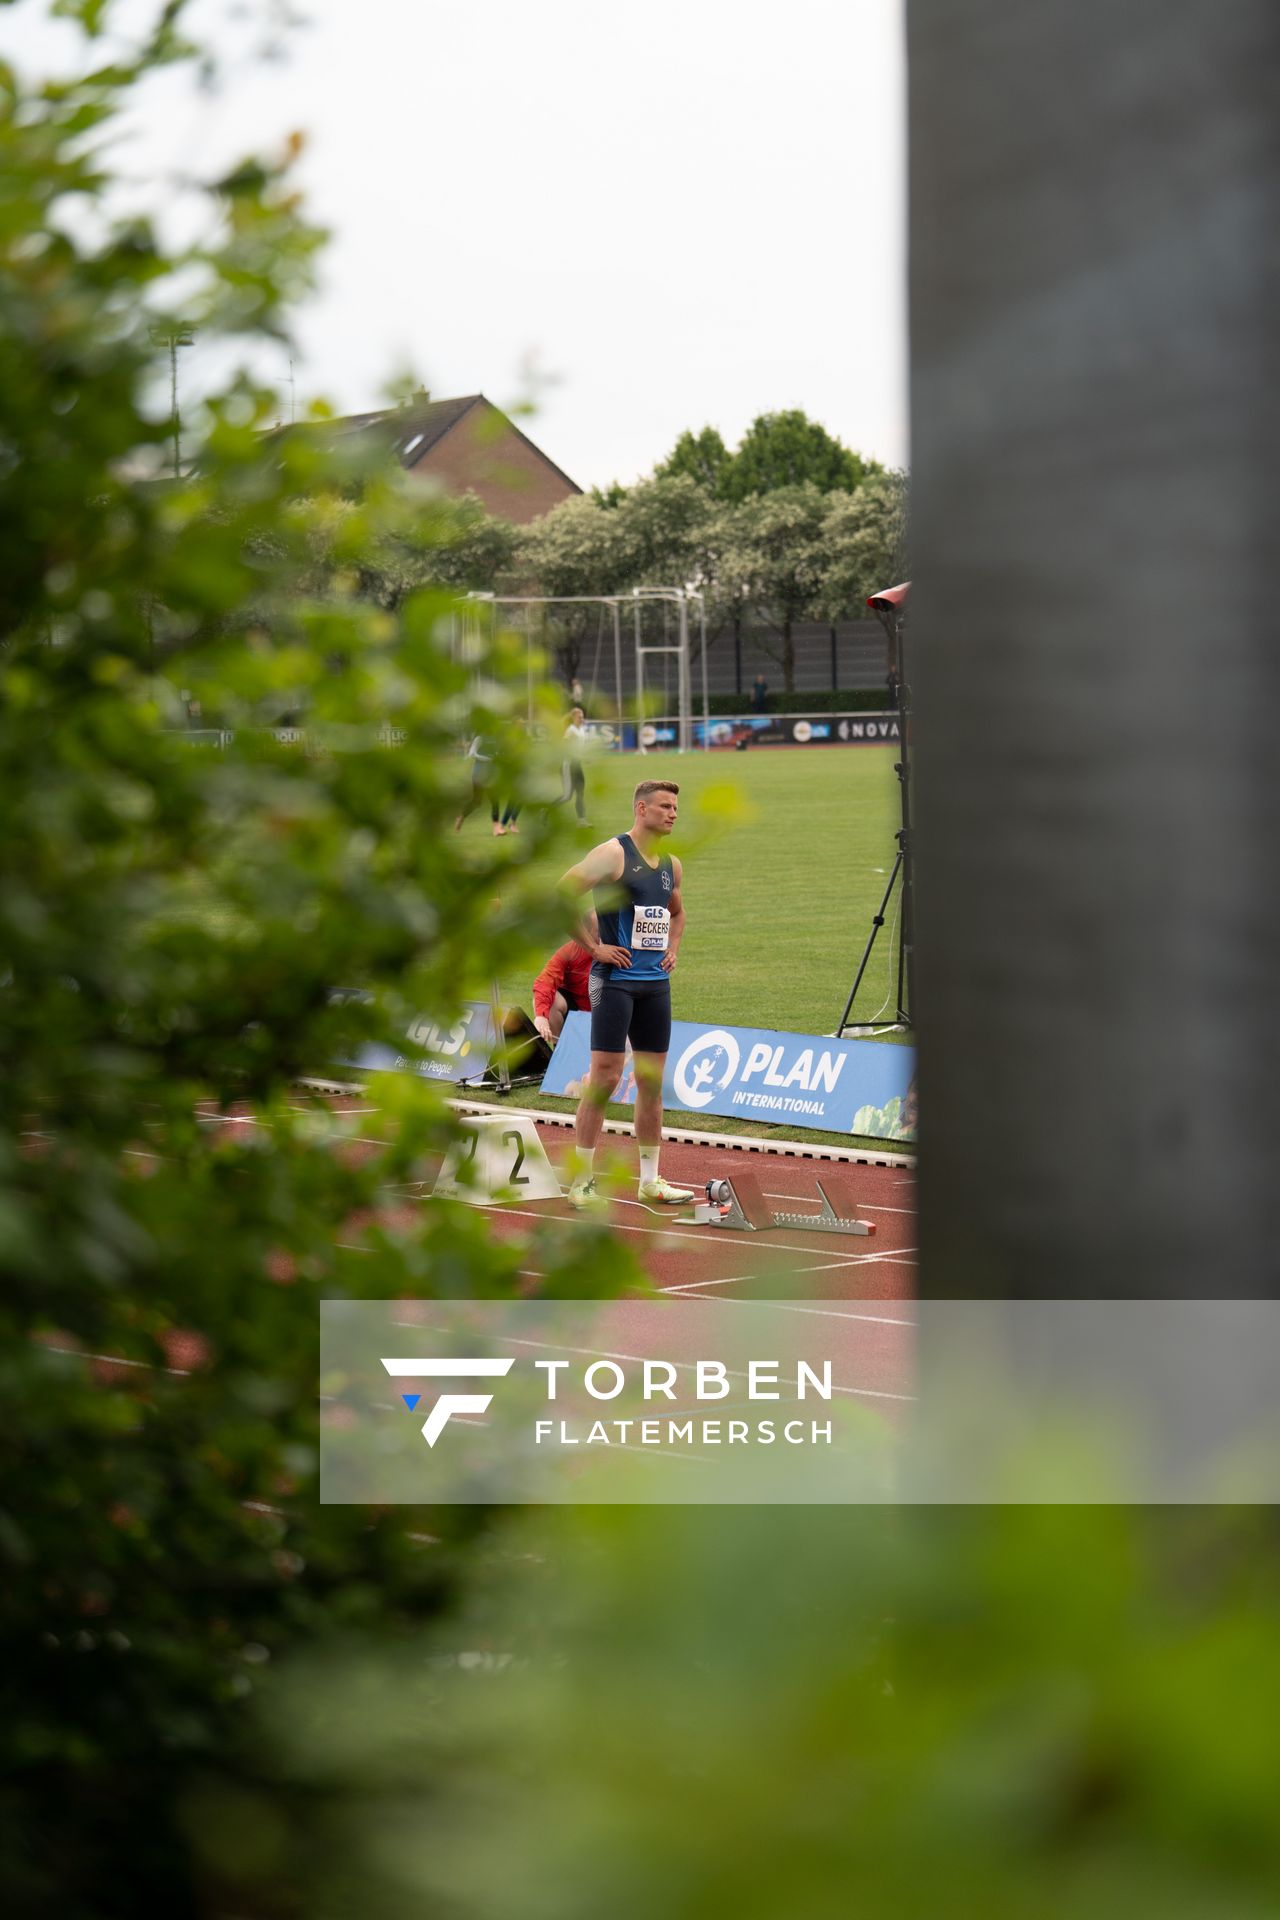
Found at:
<point>786,854</point>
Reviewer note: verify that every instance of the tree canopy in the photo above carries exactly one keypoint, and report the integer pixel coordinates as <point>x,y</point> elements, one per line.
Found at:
<point>773,557</point>
<point>784,449</point>
<point>789,450</point>
<point>790,554</point>
<point>701,457</point>
<point>864,545</point>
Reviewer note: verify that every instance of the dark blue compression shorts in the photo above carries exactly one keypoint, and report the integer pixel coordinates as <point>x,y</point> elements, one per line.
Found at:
<point>639,1014</point>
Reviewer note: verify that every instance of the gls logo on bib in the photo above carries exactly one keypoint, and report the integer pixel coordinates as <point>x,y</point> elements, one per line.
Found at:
<point>650,929</point>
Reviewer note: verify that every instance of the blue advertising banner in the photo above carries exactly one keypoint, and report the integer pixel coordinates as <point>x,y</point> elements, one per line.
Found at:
<point>457,1053</point>
<point>757,729</point>
<point>754,1073</point>
<point>800,730</point>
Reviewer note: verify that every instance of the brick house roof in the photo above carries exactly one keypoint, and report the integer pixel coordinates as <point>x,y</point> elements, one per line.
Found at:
<point>517,480</point>
<point>416,427</point>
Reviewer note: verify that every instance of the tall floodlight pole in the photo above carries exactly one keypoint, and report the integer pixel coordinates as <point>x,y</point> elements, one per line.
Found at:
<point>173,336</point>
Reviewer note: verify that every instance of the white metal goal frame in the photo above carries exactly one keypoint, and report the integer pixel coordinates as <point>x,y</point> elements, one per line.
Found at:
<point>637,599</point>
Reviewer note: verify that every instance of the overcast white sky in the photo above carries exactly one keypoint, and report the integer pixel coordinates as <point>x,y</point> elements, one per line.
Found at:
<point>682,212</point>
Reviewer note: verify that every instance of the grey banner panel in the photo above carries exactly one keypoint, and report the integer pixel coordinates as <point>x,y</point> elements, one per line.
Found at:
<point>708,1401</point>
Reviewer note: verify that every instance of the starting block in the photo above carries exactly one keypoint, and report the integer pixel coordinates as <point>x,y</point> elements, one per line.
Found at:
<point>738,1203</point>
<point>503,1161</point>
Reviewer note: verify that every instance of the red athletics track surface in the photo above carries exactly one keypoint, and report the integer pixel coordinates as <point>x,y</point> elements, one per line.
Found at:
<point>873,1353</point>
<point>698,1261</point>
<point>681,1257</point>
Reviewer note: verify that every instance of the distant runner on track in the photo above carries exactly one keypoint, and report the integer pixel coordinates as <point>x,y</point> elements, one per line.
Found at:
<point>640,917</point>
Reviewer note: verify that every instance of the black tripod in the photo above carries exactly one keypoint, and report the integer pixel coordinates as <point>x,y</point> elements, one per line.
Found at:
<point>890,608</point>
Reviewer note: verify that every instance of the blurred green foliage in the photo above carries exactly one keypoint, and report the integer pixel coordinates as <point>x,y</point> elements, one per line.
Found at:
<point>174,920</point>
<point>1061,1712</point>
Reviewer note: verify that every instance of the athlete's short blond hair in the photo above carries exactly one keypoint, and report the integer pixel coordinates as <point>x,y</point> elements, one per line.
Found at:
<point>647,787</point>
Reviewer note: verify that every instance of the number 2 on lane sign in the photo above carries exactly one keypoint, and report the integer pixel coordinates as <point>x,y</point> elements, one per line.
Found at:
<point>503,1160</point>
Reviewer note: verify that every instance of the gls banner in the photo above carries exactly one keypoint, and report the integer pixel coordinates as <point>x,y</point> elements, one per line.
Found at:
<point>865,1087</point>
<point>460,1052</point>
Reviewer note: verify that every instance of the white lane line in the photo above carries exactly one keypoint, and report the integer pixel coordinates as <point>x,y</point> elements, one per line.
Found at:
<point>522,1273</point>
<point>775,1150</point>
<point>740,1279</point>
<point>410,1190</point>
<point>343,1112</point>
<point>117,1360</point>
<point>731,1142</point>
<point>821,1313</point>
<point>786,1408</point>
<point>696,1234</point>
<point>871,1206</point>
<point>780,1148</point>
<point>689,1286</point>
<point>796,1273</point>
<point>661,1212</point>
<point>734,1280</point>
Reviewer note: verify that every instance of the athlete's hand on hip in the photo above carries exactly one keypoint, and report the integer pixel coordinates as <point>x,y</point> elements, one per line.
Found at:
<point>612,956</point>
<point>669,960</point>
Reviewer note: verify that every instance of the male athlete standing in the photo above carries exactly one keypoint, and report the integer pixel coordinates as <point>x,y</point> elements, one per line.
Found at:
<point>640,926</point>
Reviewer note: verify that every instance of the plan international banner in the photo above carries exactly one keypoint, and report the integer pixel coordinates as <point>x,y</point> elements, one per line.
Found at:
<point>865,1087</point>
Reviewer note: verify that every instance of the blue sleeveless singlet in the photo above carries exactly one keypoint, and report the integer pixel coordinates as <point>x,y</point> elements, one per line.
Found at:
<point>641,923</point>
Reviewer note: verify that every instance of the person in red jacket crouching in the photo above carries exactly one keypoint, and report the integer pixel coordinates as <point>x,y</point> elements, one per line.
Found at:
<point>561,988</point>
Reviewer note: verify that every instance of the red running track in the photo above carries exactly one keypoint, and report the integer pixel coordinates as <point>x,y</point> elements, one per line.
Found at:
<point>685,1259</point>
<point>681,1257</point>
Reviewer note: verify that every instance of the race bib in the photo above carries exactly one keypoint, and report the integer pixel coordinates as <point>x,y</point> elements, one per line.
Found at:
<point>650,927</point>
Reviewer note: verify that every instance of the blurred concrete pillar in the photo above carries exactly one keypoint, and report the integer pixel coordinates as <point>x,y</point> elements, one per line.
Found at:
<point>1095,643</point>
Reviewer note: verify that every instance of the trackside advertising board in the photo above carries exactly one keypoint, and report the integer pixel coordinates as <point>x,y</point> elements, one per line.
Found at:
<point>457,1053</point>
<point>800,730</point>
<point>754,1073</point>
<point>757,729</point>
